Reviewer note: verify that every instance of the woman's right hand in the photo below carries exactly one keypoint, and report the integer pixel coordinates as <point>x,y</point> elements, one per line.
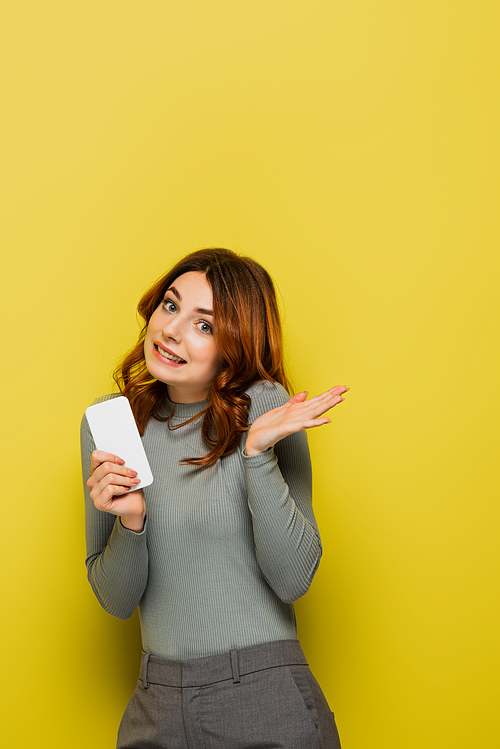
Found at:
<point>111,483</point>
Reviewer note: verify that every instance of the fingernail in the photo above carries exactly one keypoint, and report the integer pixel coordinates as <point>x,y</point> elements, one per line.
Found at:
<point>120,461</point>
<point>131,472</point>
<point>136,481</point>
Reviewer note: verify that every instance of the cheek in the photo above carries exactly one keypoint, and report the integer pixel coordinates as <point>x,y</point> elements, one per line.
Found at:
<point>154,322</point>
<point>149,331</point>
<point>148,340</point>
<point>211,356</point>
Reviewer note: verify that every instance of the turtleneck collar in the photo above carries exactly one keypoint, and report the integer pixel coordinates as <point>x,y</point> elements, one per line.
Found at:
<point>185,411</point>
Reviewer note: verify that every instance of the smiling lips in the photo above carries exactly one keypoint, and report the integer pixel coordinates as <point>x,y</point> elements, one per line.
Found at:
<point>165,353</point>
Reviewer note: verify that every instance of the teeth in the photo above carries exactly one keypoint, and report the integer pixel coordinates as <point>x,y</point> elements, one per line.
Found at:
<point>169,356</point>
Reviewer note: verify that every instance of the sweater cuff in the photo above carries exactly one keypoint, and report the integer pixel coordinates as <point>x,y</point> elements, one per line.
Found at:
<point>260,459</point>
<point>129,533</point>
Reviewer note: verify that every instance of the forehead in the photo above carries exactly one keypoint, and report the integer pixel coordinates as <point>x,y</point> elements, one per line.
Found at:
<point>193,288</point>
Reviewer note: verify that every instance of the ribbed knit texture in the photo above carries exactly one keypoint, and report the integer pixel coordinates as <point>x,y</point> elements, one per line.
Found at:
<point>224,551</point>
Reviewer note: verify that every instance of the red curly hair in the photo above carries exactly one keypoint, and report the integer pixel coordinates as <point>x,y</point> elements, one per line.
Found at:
<point>247,331</point>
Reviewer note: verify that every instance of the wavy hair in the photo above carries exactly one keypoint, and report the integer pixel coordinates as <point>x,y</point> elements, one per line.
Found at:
<point>248,335</point>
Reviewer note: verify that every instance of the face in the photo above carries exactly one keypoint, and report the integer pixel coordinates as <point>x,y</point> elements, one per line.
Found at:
<point>179,347</point>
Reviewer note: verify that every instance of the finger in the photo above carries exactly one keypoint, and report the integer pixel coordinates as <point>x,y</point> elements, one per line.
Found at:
<point>337,390</point>
<point>324,406</point>
<point>322,397</point>
<point>317,410</point>
<point>111,479</point>
<point>111,468</point>
<point>99,456</point>
<point>121,503</point>
<point>107,469</point>
<point>316,423</point>
<point>319,404</point>
<point>106,499</point>
<point>115,479</point>
<point>298,397</point>
<point>112,484</point>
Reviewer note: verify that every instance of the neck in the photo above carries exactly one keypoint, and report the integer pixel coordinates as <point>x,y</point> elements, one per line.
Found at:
<point>181,396</point>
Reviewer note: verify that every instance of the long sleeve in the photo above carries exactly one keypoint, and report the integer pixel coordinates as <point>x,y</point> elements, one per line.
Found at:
<point>117,558</point>
<point>225,551</point>
<point>279,481</point>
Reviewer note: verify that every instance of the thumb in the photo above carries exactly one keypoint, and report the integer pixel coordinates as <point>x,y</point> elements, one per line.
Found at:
<point>298,397</point>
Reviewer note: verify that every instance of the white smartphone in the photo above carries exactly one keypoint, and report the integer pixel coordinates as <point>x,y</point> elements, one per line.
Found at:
<point>114,430</point>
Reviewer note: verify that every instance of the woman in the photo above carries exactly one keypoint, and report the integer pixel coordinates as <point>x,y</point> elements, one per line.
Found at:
<point>215,551</point>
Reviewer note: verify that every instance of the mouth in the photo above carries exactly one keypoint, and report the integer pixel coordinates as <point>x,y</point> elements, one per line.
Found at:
<point>169,355</point>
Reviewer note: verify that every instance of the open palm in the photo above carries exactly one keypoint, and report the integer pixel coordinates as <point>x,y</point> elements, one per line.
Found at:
<point>297,414</point>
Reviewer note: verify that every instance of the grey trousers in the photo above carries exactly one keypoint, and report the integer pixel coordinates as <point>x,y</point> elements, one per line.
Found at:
<point>259,697</point>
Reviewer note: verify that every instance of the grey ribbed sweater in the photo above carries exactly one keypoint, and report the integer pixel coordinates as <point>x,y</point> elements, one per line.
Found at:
<point>224,551</point>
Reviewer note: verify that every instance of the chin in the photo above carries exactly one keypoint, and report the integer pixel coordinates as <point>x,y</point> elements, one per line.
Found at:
<point>158,372</point>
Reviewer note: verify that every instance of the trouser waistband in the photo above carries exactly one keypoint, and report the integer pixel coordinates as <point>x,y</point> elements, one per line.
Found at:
<point>197,672</point>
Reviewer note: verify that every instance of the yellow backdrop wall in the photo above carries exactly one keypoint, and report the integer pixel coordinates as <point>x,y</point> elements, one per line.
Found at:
<point>352,148</point>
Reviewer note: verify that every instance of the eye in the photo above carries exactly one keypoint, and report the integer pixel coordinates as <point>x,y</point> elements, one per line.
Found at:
<point>169,305</point>
<point>205,327</point>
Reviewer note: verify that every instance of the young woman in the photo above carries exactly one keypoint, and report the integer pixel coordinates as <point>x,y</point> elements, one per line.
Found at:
<point>216,550</point>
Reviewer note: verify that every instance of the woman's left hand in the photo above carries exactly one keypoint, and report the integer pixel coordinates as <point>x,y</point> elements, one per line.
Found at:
<point>295,416</point>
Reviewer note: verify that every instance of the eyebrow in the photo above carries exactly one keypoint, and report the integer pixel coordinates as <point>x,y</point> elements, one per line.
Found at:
<point>200,310</point>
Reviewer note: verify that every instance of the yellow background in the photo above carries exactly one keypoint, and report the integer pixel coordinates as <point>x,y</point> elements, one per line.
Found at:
<point>352,148</point>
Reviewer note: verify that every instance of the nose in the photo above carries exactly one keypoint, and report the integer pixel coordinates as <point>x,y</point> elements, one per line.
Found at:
<point>172,329</point>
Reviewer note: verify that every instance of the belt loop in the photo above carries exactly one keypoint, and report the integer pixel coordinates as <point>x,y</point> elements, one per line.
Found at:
<point>235,667</point>
<point>145,678</point>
